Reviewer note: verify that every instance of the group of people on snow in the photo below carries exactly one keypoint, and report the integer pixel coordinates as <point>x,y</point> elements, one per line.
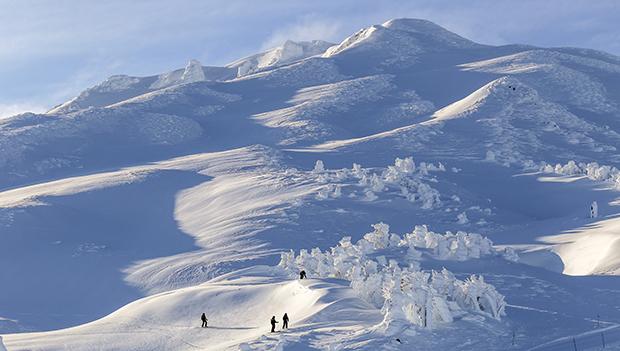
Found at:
<point>302,275</point>
<point>274,322</point>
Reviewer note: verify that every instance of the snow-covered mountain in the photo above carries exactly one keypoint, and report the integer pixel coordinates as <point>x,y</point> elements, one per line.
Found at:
<point>129,210</point>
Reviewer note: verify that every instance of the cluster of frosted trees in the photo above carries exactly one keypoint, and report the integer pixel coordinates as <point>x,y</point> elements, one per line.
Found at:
<point>592,170</point>
<point>425,299</point>
<point>404,176</point>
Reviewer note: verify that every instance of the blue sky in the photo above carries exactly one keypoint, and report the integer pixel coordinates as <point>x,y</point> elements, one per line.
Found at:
<point>50,50</point>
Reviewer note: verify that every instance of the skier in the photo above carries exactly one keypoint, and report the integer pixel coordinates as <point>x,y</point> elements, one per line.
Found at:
<point>285,321</point>
<point>203,318</point>
<point>302,274</point>
<point>273,324</point>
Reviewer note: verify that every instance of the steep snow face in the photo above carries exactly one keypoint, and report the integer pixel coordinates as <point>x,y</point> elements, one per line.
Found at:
<point>289,52</point>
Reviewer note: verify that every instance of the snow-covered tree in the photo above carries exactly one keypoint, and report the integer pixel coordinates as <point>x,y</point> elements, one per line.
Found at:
<point>319,167</point>
<point>462,218</point>
<point>425,299</point>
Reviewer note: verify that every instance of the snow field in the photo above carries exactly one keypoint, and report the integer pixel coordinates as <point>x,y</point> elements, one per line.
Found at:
<point>144,188</point>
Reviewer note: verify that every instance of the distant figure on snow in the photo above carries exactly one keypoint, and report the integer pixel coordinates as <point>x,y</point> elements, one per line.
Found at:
<point>203,318</point>
<point>479,304</point>
<point>285,321</point>
<point>594,209</point>
<point>273,324</point>
<point>302,274</point>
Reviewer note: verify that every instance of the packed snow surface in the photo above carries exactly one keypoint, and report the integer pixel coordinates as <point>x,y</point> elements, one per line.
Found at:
<point>440,194</point>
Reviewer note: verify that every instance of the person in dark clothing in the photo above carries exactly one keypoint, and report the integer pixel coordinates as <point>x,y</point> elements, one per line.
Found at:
<point>273,324</point>
<point>302,274</point>
<point>203,318</point>
<point>285,321</point>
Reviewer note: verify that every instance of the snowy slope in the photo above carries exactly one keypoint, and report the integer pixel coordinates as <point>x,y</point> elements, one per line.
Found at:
<point>251,299</point>
<point>145,201</point>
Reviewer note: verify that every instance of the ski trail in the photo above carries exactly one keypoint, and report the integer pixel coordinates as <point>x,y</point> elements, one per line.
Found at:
<point>531,309</point>
<point>576,336</point>
<point>558,313</point>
